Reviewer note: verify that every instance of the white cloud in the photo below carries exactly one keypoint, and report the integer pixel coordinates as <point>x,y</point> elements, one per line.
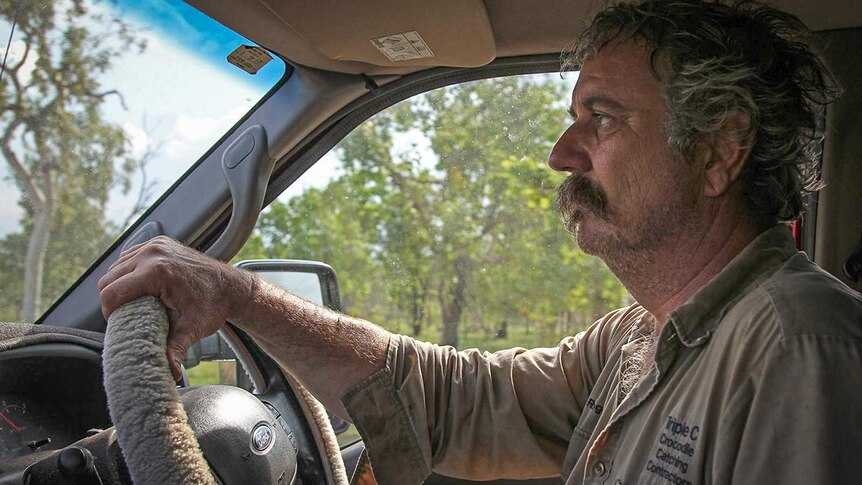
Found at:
<point>139,141</point>
<point>191,129</point>
<point>317,176</point>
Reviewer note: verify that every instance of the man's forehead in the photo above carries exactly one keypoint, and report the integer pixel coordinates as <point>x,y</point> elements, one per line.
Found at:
<point>619,70</point>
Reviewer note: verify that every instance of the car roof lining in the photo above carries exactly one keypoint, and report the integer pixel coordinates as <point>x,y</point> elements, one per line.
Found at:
<point>337,36</point>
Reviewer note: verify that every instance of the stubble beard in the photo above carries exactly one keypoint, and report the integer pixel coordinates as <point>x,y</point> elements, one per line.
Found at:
<point>622,245</point>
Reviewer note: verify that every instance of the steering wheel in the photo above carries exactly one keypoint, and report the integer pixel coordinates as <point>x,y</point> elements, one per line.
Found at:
<point>241,440</point>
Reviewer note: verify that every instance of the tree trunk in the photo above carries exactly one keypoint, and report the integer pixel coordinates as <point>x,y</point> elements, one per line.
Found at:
<point>418,312</point>
<point>598,302</point>
<point>503,331</point>
<point>452,308</point>
<point>451,322</point>
<point>415,327</point>
<point>34,261</point>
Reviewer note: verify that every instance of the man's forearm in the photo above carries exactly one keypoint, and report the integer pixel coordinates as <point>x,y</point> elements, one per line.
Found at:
<point>327,351</point>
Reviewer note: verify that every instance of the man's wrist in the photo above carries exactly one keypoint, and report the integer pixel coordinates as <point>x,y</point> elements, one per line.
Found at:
<point>242,293</point>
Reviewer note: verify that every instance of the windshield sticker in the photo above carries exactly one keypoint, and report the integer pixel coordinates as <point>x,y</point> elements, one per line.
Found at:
<point>403,47</point>
<point>249,58</point>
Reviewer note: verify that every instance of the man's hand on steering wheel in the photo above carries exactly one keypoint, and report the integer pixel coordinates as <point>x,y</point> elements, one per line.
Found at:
<point>199,292</point>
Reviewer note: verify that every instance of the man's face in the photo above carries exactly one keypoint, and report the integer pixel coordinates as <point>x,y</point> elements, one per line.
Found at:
<point>628,190</point>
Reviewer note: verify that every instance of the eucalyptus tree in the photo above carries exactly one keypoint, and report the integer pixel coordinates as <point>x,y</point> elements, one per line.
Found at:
<point>62,153</point>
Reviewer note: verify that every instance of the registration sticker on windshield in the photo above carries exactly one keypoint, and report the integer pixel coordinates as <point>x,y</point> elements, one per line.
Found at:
<point>403,47</point>
<point>249,58</point>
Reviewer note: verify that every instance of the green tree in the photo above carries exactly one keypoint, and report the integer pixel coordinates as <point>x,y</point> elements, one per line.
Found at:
<point>62,154</point>
<point>459,232</point>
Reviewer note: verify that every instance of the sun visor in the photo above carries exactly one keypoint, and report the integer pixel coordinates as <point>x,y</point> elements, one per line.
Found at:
<point>394,33</point>
<point>375,37</point>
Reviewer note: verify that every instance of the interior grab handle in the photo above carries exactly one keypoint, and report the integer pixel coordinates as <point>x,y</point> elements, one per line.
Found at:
<point>247,167</point>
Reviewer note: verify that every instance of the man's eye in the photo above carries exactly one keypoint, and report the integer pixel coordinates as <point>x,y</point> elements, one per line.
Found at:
<point>602,119</point>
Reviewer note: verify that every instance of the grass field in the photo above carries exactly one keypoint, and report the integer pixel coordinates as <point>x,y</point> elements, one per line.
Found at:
<point>212,373</point>
<point>518,337</point>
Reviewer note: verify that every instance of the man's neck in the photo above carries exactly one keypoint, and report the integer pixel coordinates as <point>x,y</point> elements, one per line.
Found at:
<point>671,273</point>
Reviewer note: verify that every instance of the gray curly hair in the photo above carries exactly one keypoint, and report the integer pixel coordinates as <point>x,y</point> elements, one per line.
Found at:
<point>716,59</point>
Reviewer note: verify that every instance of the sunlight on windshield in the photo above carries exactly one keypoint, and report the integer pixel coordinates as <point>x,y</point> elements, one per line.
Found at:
<point>104,106</point>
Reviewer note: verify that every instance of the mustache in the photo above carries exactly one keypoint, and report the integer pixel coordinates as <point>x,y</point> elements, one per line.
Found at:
<point>577,195</point>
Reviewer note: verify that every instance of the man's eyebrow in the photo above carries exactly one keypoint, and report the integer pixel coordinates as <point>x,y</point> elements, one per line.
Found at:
<point>592,102</point>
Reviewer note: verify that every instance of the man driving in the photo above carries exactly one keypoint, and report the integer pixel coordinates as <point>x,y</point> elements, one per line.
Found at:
<point>695,133</point>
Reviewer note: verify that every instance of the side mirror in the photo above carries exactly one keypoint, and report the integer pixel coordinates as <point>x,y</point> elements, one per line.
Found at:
<point>312,280</point>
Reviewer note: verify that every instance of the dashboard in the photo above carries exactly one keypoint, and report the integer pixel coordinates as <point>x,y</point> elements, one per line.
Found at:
<point>51,396</point>
<point>55,426</point>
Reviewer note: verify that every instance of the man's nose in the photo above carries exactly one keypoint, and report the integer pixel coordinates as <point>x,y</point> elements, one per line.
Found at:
<point>569,154</point>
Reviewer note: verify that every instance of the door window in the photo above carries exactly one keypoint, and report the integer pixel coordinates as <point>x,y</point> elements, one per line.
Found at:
<point>438,217</point>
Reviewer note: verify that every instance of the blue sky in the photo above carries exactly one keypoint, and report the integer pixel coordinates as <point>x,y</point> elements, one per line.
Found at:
<point>192,30</point>
<point>181,94</point>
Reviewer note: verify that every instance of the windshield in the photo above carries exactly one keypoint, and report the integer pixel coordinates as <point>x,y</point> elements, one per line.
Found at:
<point>105,105</point>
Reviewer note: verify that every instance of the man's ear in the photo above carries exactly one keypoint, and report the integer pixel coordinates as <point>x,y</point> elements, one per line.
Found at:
<point>726,154</point>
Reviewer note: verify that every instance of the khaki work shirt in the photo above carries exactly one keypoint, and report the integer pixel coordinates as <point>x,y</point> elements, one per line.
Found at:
<point>757,379</point>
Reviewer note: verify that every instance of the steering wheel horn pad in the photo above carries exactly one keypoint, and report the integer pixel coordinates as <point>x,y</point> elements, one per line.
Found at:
<point>227,420</point>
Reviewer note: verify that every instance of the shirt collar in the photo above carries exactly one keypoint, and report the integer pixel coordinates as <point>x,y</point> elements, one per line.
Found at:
<point>696,319</point>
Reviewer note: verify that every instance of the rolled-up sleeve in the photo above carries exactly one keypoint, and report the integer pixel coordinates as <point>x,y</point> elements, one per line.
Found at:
<point>474,415</point>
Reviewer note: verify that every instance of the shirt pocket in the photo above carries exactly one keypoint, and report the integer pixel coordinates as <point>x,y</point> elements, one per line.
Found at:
<point>577,445</point>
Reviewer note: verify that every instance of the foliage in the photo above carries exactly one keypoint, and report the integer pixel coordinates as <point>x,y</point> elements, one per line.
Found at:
<point>456,241</point>
<point>62,155</point>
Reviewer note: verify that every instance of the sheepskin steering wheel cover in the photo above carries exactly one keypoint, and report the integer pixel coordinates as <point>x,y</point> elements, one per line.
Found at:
<point>152,428</point>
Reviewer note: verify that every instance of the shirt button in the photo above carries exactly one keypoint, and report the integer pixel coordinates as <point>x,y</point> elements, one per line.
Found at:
<point>599,469</point>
